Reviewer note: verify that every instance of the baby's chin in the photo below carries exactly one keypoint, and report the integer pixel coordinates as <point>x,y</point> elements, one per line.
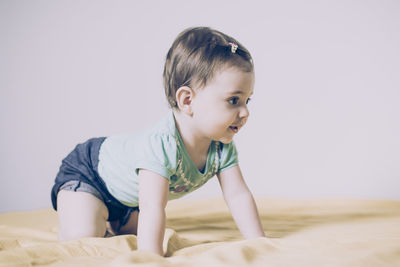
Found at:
<point>225,140</point>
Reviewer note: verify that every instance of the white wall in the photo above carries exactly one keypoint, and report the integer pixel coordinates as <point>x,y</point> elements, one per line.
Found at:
<point>325,114</point>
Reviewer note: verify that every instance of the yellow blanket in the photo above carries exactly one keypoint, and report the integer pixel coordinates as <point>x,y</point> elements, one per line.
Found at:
<point>202,233</point>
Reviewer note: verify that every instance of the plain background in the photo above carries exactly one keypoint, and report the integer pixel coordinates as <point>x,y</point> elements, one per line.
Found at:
<point>324,118</point>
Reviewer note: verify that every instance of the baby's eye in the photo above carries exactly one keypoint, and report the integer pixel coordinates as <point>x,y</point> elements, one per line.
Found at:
<point>234,100</point>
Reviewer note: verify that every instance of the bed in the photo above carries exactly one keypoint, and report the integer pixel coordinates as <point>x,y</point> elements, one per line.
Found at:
<point>323,232</point>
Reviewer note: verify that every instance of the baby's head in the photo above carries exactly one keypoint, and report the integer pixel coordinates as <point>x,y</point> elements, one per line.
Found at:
<point>196,55</point>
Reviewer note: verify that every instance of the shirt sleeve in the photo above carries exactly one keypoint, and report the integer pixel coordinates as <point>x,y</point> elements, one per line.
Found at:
<point>228,156</point>
<point>158,154</point>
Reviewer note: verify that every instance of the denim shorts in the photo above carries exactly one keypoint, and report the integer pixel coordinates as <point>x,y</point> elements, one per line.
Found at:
<point>78,172</point>
<point>79,186</point>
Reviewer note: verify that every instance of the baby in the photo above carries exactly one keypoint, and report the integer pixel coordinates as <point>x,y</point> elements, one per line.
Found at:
<point>208,80</point>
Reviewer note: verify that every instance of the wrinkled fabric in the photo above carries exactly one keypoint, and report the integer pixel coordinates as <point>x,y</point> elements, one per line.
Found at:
<point>202,233</point>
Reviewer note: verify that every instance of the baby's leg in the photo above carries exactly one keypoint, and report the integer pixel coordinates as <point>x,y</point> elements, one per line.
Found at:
<point>80,214</point>
<point>130,226</point>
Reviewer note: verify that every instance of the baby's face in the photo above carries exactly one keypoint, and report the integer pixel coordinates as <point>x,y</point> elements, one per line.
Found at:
<point>220,108</point>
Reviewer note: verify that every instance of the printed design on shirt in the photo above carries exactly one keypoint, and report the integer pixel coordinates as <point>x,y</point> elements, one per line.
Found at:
<point>182,183</point>
<point>180,188</point>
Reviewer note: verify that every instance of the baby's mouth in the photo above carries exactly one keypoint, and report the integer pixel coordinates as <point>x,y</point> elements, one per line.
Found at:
<point>235,129</point>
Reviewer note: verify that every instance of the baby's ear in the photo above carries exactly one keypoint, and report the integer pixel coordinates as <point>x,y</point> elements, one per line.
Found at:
<point>184,97</point>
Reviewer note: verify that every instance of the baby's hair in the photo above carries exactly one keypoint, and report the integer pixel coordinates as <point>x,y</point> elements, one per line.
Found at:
<point>197,54</point>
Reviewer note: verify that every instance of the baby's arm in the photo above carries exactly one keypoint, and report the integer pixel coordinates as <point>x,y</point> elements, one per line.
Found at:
<point>240,202</point>
<point>153,197</point>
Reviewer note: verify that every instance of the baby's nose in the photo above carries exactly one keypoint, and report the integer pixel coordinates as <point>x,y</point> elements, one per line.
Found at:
<point>244,112</point>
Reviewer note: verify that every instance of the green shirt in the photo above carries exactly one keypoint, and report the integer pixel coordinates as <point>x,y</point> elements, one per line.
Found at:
<point>162,151</point>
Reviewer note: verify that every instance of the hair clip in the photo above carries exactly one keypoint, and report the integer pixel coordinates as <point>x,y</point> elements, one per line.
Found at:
<point>234,47</point>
